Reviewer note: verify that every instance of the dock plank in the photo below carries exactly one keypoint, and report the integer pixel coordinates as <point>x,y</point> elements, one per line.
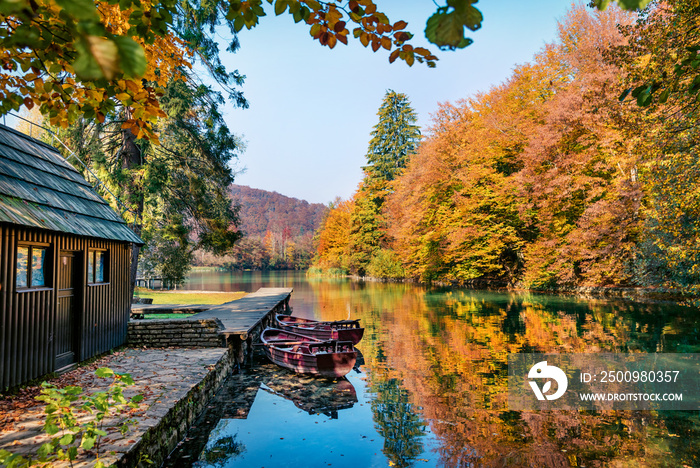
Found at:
<point>170,308</point>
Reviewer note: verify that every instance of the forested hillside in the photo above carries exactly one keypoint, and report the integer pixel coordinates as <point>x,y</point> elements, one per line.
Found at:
<point>580,170</point>
<point>262,211</point>
<point>277,231</point>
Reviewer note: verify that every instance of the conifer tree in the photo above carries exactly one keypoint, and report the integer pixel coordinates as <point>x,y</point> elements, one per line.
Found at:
<point>394,139</point>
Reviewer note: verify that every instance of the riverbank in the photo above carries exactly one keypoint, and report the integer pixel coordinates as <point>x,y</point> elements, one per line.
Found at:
<point>176,384</point>
<point>639,294</point>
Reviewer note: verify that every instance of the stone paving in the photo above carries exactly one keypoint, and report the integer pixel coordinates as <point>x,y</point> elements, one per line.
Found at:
<point>165,377</point>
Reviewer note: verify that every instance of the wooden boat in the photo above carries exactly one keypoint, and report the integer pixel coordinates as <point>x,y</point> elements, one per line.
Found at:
<point>341,330</point>
<point>307,355</point>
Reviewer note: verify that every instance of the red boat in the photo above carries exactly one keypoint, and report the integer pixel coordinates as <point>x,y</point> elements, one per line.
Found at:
<point>342,330</point>
<point>308,355</point>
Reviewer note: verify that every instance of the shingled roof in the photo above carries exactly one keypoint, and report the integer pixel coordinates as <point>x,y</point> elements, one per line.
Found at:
<point>40,189</point>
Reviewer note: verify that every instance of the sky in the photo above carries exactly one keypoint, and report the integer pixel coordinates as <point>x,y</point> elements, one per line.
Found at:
<point>312,109</point>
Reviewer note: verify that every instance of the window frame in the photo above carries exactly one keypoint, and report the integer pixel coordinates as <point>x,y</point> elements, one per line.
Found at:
<point>92,259</point>
<point>48,270</point>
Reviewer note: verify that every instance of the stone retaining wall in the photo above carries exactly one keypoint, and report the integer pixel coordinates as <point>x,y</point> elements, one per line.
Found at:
<point>184,333</point>
<point>157,443</point>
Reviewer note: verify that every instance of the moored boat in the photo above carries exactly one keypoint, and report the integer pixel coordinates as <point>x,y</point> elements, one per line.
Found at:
<point>342,330</point>
<point>307,355</point>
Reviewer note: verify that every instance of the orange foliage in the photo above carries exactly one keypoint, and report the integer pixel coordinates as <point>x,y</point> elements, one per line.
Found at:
<point>533,182</point>
<point>63,97</point>
<point>334,237</point>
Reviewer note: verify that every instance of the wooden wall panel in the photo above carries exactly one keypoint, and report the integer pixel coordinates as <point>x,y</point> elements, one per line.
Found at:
<point>27,319</point>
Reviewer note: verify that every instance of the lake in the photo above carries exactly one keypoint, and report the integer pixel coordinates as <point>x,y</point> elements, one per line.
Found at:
<point>432,389</point>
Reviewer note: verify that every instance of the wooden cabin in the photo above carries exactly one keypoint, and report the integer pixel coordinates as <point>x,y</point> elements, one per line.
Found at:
<point>64,264</point>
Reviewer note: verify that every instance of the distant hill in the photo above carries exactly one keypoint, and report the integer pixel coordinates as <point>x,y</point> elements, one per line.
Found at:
<point>263,211</point>
<point>278,231</point>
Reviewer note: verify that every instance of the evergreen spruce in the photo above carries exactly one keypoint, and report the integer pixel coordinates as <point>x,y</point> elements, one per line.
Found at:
<point>394,139</point>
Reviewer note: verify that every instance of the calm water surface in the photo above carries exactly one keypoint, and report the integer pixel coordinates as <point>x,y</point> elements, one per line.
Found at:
<point>432,389</point>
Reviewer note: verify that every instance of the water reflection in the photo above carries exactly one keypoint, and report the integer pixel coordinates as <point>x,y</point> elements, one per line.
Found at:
<point>263,406</point>
<point>312,394</point>
<point>435,383</point>
<point>449,349</point>
<point>398,422</point>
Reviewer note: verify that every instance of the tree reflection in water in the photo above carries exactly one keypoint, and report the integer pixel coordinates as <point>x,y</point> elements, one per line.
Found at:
<point>440,356</point>
<point>396,421</point>
<point>218,453</point>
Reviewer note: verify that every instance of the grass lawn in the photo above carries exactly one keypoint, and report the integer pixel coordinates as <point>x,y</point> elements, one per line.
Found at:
<point>189,297</point>
<point>167,316</point>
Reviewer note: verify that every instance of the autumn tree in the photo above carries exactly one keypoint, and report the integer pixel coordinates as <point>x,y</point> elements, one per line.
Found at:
<point>660,62</point>
<point>455,215</point>
<point>533,181</point>
<point>665,39</point>
<point>333,237</point>
<point>580,169</point>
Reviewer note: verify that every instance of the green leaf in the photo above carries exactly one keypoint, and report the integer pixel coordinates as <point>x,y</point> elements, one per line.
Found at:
<point>4,455</point>
<point>132,61</point>
<point>126,379</point>
<point>631,5</point>
<point>80,9</point>
<point>55,68</point>
<point>624,94</point>
<point>86,65</point>
<point>695,85</point>
<point>67,439</point>
<point>11,460</point>
<point>45,450</point>
<point>73,390</point>
<point>51,428</point>
<point>104,372</point>
<point>644,98</point>
<point>72,453</point>
<point>280,7</point>
<point>13,6</point>
<point>137,398</point>
<point>238,23</point>
<point>88,442</point>
<point>446,30</point>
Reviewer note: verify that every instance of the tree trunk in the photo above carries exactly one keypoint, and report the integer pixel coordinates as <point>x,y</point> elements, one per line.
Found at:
<point>131,158</point>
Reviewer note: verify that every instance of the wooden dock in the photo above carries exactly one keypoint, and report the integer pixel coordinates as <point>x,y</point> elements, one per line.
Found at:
<point>242,316</point>
<point>244,319</point>
<point>238,323</point>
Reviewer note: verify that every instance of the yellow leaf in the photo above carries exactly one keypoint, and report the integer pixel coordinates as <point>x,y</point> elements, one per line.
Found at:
<point>364,39</point>
<point>106,55</point>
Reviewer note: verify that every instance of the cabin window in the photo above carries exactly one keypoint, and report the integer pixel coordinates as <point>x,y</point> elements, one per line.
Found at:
<point>98,267</point>
<point>31,267</point>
